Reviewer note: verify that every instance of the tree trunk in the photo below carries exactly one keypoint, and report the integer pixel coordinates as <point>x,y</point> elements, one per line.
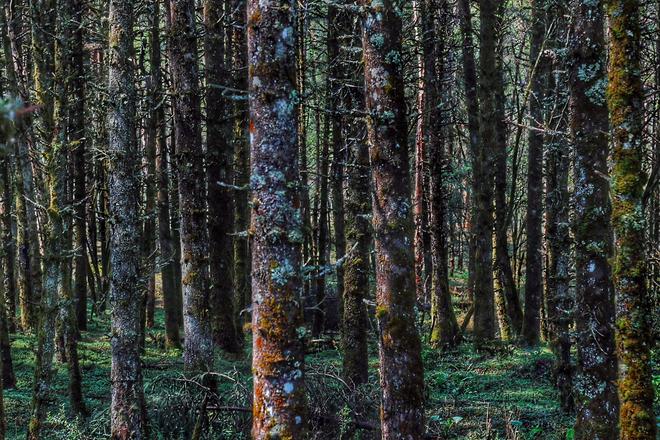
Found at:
<point>402,381</point>
<point>198,346</point>
<point>358,236</point>
<point>559,297</point>
<point>220,157</point>
<point>79,188</point>
<point>128,415</point>
<point>445,331</point>
<point>595,392</point>
<point>531,329</point>
<point>242,283</point>
<point>625,101</point>
<point>484,302</point>
<point>278,353</point>
<point>167,261</point>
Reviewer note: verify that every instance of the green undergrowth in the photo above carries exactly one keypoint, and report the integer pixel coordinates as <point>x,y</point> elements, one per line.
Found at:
<point>500,392</point>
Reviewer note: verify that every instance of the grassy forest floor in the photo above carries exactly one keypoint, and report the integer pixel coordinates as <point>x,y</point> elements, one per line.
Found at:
<point>501,393</point>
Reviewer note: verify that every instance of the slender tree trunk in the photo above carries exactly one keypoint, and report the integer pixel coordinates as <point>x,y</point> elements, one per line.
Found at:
<point>595,392</point>
<point>402,410</point>
<point>278,354</point>
<point>358,236</point>
<point>420,215</point>
<point>79,187</point>
<point>559,297</point>
<point>625,101</point>
<point>484,303</point>
<point>242,282</point>
<point>445,330</point>
<point>127,411</point>
<point>513,310</point>
<point>531,330</point>
<point>220,156</point>
<point>198,347</point>
<point>337,22</point>
<point>323,162</point>
<point>167,262</point>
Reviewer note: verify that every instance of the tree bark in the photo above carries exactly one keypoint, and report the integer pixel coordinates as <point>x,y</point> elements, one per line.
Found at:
<point>402,410</point>
<point>626,107</point>
<point>484,302</point>
<point>559,297</point>
<point>445,331</point>
<point>220,157</point>
<point>595,391</point>
<point>127,411</point>
<point>531,330</point>
<point>198,346</point>
<point>278,353</point>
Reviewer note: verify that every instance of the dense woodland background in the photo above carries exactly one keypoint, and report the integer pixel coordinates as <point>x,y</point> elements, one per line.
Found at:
<point>330,219</point>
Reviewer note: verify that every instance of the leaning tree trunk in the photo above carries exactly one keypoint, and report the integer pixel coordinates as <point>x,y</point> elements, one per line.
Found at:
<point>198,347</point>
<point>402,381</point>
<point>626,100</point>
<point>127,411</point>
<point>278,354</point>
<point>220,158</point>
<point>595,392</point>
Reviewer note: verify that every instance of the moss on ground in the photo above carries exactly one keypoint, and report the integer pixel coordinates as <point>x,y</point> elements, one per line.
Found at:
<point>502,391</point>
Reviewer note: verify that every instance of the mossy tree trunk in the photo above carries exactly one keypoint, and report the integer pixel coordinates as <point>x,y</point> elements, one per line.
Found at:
<point>127,411</point>
<point>278,353</point>
<point>596,398</point>
<point>401,370</point>
<point>625,101</point>
<point>198,346</point>
<point>220,158</point>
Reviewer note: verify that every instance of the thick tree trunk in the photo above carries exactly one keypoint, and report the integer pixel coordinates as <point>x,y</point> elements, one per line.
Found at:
<point>595,392</point>
<point>220,157</point>
<point>402,410</point>
<point>198,347</point>
<point>278,354</point>
<point>626,100</point>
<point>127,415</point>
